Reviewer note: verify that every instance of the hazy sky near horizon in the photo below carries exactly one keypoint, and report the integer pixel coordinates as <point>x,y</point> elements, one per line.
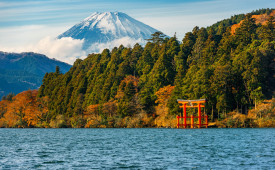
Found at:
<point>23,23</point>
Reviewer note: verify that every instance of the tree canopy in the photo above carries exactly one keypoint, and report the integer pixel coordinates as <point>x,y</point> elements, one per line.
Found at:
<point>232,71</point>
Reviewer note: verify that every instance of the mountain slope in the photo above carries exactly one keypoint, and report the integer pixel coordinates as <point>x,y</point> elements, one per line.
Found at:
<point>23,71</point>
<point>232,71</point>
<point>108,26</point>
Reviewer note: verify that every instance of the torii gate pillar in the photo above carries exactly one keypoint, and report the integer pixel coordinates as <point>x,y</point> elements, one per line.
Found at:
<point>193,104</point>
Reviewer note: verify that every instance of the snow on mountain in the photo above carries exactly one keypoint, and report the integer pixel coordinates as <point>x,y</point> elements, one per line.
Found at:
<point>109,29</point>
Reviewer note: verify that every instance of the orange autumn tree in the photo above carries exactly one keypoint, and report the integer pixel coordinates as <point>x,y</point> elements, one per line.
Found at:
<point>25,110</point>
<point>14,117</point>
<point>163,118</point>
<point>91,114</point>
<point>109,108</point>
<point>163,94</point>
<point>3,109</point>
<point>36,110</point>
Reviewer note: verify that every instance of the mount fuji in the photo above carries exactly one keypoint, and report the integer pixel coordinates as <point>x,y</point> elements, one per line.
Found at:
<point>107,30</point>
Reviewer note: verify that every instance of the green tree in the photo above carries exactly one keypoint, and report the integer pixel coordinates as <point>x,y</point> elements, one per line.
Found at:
<point>157,37</point>
<point>247,31</point>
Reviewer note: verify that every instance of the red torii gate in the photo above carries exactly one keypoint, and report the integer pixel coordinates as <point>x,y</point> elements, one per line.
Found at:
<point>193,104</point>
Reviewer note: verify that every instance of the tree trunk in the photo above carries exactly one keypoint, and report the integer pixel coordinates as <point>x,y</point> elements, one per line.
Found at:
<point>212,115</point>
<point>237,107</point>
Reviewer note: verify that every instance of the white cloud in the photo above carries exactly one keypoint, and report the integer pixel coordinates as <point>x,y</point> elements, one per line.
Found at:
<point>20,36</point>
<point>35,38</point>
<point>68,49</point>
<point>64,49</point>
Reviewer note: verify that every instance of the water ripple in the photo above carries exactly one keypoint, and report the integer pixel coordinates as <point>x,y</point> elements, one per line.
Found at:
<point>137,148</point>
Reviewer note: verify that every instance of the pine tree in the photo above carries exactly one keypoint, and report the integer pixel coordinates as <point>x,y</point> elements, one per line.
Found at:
<point>157,37</point>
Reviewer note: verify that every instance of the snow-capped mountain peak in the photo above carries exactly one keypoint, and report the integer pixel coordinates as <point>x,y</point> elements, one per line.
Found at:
<point>106,27</point>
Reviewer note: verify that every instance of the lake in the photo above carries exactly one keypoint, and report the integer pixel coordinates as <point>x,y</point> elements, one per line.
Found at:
<point>137,148</point>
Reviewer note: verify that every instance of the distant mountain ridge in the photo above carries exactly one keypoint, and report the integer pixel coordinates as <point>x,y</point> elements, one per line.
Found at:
<point>108,26</point>
<point>23,71</point>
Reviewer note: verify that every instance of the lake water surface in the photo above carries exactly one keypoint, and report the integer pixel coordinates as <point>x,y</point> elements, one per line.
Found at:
<point>137,148</point>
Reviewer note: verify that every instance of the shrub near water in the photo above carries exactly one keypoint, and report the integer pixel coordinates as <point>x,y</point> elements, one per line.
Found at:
<point>31,112</point>
<point>262,116</point>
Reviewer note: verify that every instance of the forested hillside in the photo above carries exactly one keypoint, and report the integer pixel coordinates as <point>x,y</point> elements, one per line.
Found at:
<point>23,71</point>
<point>139,86</point>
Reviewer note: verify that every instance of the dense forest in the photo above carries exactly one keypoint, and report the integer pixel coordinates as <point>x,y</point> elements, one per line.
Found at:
<point>139,86</point>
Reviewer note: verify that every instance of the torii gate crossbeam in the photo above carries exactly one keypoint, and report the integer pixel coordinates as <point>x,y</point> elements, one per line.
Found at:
<point>192,104</point>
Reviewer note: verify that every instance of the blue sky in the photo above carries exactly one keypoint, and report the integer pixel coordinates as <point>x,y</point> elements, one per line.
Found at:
<point>53,11</point>
<point>25,22</point>
<point>15,13</point>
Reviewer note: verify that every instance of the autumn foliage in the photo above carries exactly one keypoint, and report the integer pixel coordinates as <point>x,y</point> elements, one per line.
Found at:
<point>259,19</point>
<point>25,110</point>
<point>139,86</point>
<point>164,119</point>
<point>163,94</point>
<point>261,116</point>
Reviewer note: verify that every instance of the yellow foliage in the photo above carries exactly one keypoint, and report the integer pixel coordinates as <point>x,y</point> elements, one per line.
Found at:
<point>163,118</point>
<point>263,116</point>
<point>163,94</point>
<point>133,122</point>
<point>120,123</point>
<point>138,121</point>
<point>10,119</point>
<point>93,121</point>
<point>58,122</point>
<point>92,109</point>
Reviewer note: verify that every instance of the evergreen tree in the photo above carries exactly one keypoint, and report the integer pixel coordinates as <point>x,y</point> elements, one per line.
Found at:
<point>230,70</point>
<point>157,37</point>
<point>247,31</point>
